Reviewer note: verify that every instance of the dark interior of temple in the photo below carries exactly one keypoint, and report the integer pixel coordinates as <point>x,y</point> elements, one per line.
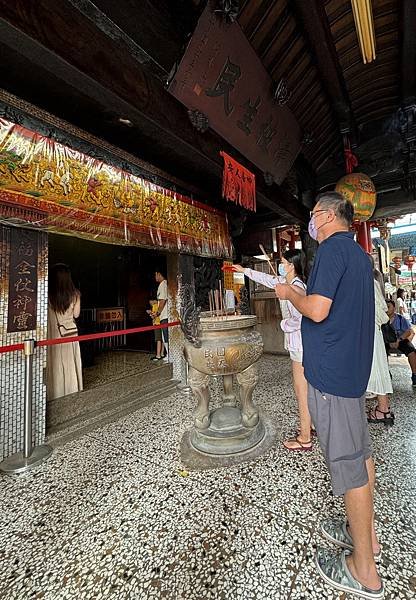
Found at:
<point>110,276</point>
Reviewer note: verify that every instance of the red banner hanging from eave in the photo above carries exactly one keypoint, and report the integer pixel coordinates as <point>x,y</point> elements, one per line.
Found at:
<point>238,183</point>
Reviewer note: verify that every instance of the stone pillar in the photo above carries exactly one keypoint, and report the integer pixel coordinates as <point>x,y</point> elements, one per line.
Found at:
<point>11,364</point>
<point>180,269</point>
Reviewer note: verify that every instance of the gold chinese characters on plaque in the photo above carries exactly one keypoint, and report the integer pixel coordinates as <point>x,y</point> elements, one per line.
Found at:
<point>23,280</point>
<point>110,315</point>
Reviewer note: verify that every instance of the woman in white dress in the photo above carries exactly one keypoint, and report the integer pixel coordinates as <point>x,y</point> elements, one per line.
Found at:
<point>291,270</point>
<point>64,360</point>
<point>379,383</point>
<point>401,304</point>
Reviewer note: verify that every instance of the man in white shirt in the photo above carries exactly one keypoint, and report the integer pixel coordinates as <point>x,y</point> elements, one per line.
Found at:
<point>162,313</point>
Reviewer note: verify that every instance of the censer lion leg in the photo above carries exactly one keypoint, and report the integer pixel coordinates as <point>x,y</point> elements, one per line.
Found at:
<point>247,380</point>
<point>229,397</point>
<point>199,385</point>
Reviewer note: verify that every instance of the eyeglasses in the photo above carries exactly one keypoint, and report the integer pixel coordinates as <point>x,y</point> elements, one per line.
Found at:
<point>313,213</point>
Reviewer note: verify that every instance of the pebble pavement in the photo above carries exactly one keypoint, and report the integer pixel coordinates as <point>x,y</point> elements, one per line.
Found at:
<point>113,514</point>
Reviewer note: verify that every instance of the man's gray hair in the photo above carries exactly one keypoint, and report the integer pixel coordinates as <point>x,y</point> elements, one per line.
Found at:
<point>342,207</point>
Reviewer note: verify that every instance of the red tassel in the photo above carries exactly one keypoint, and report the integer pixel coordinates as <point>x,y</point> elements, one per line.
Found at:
<point>351,161</point>
<point>238,183</point>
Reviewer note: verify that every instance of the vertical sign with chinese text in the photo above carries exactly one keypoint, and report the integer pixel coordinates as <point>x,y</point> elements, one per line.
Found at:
<point>221,76</point>
<point>23,280</point>
<point>228,276</point>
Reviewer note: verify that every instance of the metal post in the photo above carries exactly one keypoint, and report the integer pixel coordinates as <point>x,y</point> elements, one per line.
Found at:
<point>28,350</point>
<point>31,456</point>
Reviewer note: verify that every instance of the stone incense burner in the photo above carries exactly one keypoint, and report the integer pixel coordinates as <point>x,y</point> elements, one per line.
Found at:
<point>225,347</point>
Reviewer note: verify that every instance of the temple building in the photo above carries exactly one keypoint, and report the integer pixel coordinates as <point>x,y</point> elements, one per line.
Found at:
<point>175,138</point>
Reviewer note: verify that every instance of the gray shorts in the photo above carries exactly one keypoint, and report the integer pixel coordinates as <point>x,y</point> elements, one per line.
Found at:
<point>342,429</point>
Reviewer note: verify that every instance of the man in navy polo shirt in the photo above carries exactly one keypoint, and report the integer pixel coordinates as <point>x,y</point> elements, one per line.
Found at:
<point>338,339</point>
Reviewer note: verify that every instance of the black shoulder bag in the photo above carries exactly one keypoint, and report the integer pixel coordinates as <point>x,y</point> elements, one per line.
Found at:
<point>389,334</point>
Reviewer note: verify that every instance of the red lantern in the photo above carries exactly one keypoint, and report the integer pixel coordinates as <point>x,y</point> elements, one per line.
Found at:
<point>410,261</point>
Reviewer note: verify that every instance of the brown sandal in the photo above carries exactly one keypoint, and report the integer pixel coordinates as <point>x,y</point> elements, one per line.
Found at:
<point>313,432</point>
<point>302,446</point>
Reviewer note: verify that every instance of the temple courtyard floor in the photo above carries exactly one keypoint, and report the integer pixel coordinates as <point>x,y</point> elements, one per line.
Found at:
<point>113,514</point>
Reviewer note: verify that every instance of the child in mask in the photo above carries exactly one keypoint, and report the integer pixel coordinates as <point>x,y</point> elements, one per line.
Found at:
<point>291,270</point>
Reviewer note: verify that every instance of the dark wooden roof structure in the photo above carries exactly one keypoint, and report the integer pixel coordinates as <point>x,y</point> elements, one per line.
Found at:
<point>103,67</point>
<point>313,46</point>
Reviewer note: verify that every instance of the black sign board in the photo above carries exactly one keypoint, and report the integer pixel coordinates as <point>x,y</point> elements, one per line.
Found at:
<point>23,280</point>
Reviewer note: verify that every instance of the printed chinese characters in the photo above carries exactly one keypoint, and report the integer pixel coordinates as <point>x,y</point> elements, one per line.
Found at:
<point>267,133</point>
<point>251,112</point>
<point>22,281</point>
<point>215,359</point>
<point>256,116</point>
<point>108,315</point>
<point>225,84</point>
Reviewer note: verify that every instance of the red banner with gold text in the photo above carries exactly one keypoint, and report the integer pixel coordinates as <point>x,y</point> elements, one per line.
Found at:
<point>51,186</point>
<point>238,183</point>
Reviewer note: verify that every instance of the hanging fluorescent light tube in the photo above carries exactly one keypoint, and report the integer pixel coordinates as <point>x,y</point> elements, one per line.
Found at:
<point>364,25</point>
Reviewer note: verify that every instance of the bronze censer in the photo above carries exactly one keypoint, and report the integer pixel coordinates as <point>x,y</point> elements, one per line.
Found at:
<point>226,346</point>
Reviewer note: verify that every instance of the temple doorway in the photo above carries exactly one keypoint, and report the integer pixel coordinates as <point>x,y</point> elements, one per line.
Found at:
<point>116,285</point>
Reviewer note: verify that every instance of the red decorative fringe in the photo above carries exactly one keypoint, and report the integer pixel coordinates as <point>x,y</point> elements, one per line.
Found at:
<point>351,161</point>
<point>238,183</point>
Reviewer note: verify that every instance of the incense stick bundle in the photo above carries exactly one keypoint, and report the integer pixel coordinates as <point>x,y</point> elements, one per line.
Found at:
<point>221,299</point>
<point>268,260</point>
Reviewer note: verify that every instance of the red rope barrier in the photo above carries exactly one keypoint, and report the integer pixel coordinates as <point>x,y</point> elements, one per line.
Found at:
<point>90,336</point>
<point>11,348</point>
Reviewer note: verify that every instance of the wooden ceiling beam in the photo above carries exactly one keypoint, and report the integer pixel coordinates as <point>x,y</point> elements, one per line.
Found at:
<point>147,54</point>
<point>396,203</point>
<point>408,57</point>
<point>250,17</point>
<point>312,16</point>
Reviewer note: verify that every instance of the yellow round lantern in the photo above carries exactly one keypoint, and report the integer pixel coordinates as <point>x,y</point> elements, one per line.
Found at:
<point>360,191</point>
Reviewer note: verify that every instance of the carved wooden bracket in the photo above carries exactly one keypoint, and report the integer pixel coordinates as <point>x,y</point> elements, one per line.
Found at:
<point>198,120</point>
<point>228,9</point>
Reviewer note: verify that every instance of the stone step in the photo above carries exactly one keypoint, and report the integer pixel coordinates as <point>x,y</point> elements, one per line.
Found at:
<point>61,412</point>
<point>78,426</point>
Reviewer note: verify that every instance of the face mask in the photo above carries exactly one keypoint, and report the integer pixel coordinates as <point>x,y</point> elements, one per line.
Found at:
<point>282,270</point>
<point>312,230</point>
